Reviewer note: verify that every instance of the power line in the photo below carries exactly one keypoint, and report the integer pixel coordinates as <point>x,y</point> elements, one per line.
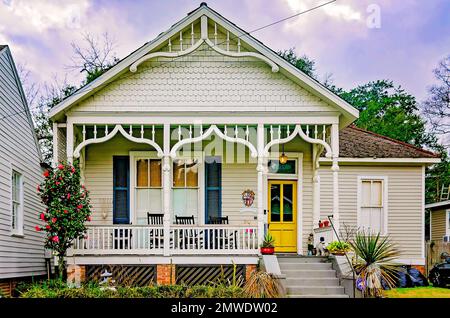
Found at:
<point>80,90</point>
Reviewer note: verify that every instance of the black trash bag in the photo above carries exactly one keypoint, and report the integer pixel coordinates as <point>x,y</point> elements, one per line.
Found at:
<point>417,278</point>
<point>403,278</point>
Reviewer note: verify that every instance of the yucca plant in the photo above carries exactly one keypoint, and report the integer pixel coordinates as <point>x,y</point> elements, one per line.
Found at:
<point>374,262</point>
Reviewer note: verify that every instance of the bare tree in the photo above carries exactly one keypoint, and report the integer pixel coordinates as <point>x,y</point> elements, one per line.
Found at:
<point>30,88</point>
<point>437,106</point>
<point>95,56</point>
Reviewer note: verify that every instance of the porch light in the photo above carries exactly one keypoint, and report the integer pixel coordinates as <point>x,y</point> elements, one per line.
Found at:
<point>283,158</point>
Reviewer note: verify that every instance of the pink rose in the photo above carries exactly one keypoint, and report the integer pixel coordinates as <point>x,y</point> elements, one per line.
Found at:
<point>68,195</point>
<point>88,218</point>
<point>55,239</point>
<point>54,220</point>
<point>46,173</point>
<point>37,228</point>
<point>65,211</point>
<point>79,206</point>
<point>42,216</point>
<point>57,183</point>
<point>60,167</point>
<point>47,227</point>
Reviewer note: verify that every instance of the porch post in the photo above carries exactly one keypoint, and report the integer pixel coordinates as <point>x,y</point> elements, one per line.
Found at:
<point>70,139</point>
<point>259,168</point>
<point>55,144</point>
<point>335,169</point>
<point>316,186</point>
<point>166,189</point>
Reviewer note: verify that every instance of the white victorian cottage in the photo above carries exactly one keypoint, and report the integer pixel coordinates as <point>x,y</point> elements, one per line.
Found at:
<point>180,146</point>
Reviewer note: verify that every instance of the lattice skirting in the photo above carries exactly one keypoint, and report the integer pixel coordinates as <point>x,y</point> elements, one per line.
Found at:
<point>127,275</point>
<point>207,274</point>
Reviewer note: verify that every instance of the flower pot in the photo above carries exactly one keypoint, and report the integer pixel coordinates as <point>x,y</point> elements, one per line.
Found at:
<point>267,250</point>
<point>338,253</point>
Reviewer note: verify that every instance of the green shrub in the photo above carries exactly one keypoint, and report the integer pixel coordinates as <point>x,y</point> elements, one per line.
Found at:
<point>338,247</point>
<point>54,289</point>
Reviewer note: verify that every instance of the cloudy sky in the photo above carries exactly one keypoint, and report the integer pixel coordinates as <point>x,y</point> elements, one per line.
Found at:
<point>355,40</point>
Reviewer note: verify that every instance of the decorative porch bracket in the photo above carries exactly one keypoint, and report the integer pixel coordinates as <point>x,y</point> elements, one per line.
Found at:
<point>299,131</point>
<point>214,129</point>
<point>110,135</point>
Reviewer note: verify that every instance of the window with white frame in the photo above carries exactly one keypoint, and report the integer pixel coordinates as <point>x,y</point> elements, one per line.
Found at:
<point>185,187</point>
<point>16,203</point>
<point>372,205</point>
<point>148,187</point>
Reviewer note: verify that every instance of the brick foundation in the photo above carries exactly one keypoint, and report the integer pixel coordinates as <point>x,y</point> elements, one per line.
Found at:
<point>165,274</point>
<point>76,274</point>
<point>249,269</point>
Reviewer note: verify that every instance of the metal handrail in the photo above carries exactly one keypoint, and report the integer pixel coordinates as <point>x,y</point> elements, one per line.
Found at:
<point>346,256</point>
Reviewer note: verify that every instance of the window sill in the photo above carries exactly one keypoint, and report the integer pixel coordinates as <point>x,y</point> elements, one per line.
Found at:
<point>19,235</point>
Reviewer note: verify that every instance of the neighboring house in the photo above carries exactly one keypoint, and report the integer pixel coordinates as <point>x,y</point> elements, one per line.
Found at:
<point>190,121</point>
<point>21,247</point>
<point>439,221</point>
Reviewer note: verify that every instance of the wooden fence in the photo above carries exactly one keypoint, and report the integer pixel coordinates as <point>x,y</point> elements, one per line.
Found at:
<point>433,251</point>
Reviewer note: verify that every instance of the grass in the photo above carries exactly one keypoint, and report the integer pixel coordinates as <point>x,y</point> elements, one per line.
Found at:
<point>418,292</point>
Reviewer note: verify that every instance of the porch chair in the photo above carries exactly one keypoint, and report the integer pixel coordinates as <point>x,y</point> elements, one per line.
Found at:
<point>222,239</point>
<point>189,237</point>
<point>158,235</point>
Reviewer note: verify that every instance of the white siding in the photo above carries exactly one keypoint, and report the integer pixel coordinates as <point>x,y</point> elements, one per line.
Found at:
<point>203,81</point>
<point>19,256</point>
<point>405,211</point>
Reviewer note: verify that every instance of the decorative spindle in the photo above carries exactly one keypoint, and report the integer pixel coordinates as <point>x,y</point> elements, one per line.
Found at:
<point>106,130</point>
<point>170,45</point>
<point>190,131</point>
<point>131,130</point>
<point>84,132</point>
<point>181,40</point>
<point>324,131</point>
<point>201,130</point>
<point>95,131</point>
<point>142,131</point>
<point>192,34</point>
<point>215,33</point>
<point>247,133</point>
<point>271,132</point>
<point>179,132</point>
<point>225,131</point>
<point>153,132</point>
<point>315,131</point>
<point>307,130</point>
<point>236,131</point>
<point>239,45</point>
<point>228,40</point>
<point>288,131</point>
<point>279,131</point>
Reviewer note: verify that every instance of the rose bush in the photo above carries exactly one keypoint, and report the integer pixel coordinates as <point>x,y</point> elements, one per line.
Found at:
<point>68,209</point>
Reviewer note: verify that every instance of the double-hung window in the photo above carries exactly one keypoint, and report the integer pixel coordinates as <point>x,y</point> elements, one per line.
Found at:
<point>185,187</point>
<point>372,201</point>
<point>148,187</point>
<point>16,203</point>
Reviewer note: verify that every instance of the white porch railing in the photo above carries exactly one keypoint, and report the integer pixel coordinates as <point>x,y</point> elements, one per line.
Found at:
<point>185,239</point>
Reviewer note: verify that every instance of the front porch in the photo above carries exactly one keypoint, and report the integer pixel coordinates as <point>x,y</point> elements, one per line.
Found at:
<point>136,171</point>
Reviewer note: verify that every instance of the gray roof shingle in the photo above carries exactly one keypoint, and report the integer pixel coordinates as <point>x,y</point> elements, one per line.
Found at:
<point>359,143</point>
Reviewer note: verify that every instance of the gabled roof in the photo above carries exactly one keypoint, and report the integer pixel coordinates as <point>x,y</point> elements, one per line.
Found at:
<point>349,113</point>
<point>355,142</point>
<point>4,49</point>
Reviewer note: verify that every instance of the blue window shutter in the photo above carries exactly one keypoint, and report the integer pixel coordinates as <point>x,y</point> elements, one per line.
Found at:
<point>213,188</point>
<point>121,190</point>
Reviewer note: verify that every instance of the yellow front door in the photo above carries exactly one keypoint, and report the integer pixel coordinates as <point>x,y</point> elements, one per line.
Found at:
<point>283,214</point>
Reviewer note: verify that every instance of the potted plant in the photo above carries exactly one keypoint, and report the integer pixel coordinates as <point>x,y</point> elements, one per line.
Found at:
<point>338,248</point>
<point>267,246</point>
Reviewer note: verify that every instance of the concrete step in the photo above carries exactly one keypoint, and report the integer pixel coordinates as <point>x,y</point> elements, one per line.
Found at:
<point>295,273</point>
<point>312,282</point>
<point>305,266</point>
<point>303,259</point>
<point>315,290</point>
<point>318,296</point>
